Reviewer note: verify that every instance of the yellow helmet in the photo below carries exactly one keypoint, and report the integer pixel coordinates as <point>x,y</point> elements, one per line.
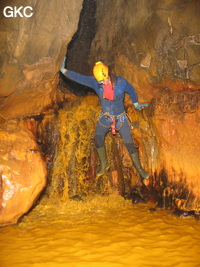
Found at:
<point>100,71</point>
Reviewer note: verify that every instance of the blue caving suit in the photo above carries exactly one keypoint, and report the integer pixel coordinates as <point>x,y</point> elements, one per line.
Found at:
<point>110,108</point>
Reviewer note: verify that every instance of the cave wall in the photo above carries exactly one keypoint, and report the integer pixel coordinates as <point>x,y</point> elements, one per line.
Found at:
<point>32,50</point>
<point>161,37</point>
<point>31,53</point>
<point>78,50</point>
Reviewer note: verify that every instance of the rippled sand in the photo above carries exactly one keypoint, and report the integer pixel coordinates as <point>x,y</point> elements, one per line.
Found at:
<point>104,231</point>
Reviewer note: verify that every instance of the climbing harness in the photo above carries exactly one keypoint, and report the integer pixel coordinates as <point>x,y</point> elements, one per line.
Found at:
<point>113,127</point>
<point>130,122</point>
<point>113,119</point>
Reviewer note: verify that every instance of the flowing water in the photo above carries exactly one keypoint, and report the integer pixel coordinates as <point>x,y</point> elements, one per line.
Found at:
<point>100,231</point>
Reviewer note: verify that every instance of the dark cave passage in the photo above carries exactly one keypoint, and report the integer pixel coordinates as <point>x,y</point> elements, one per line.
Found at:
<point>78,49</point>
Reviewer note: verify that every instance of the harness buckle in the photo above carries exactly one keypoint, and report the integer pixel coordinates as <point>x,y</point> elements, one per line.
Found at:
<point>114,120</point>
<point>113,126</point>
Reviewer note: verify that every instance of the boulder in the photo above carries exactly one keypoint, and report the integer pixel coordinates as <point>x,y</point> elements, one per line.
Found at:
<point>22,172</point>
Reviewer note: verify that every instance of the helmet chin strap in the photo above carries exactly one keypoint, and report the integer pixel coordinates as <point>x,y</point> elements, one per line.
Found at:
<point>104,81</point>
<point>100,82</point>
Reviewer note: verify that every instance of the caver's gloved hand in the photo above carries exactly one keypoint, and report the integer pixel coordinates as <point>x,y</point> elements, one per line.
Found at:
<point>140,106</point>
<point>63,69</point>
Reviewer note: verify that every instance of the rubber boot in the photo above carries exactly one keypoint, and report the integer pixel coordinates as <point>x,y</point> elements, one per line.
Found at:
<point>104,166</point>
<point>137,164</point>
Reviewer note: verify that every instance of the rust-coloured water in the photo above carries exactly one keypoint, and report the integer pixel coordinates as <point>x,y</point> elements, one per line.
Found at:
<point>103,231</point>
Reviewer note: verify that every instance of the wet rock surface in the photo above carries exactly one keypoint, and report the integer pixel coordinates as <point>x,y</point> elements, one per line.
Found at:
<point>177,127</point>
<point>22,172</point>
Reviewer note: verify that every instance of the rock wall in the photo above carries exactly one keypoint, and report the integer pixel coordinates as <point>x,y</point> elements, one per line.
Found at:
<point>161,37</point>
<point>177,129</point>
<point>32,50</point>
<point>78,50</point>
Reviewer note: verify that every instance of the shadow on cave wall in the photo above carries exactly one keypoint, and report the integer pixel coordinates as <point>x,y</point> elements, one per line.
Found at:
<point>78,50</point>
